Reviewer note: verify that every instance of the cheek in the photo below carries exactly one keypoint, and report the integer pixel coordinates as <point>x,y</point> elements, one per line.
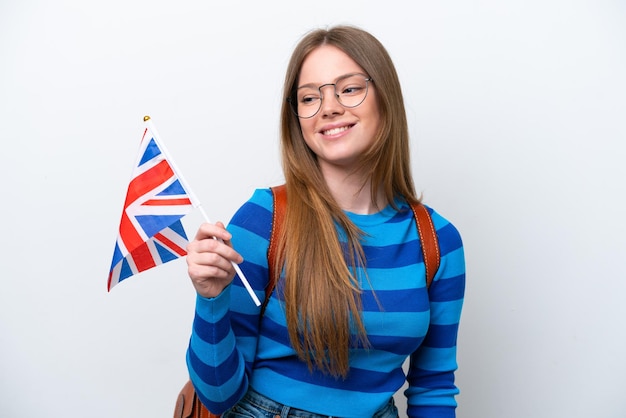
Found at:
<point>376,118</point>
<point>307,132</point>
<point>306,126</point>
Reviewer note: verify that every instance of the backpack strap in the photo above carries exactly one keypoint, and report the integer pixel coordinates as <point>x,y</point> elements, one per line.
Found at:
<point>428,238</point>
<point>279,195</point>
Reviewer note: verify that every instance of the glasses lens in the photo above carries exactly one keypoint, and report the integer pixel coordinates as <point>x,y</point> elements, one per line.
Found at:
<point>307,101</point>
<point>351,90</point>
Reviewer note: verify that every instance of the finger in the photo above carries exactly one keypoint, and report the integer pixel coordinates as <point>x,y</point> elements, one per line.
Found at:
<point>210,266</point>
<point>208,230</point>
<point>213,246</point>
<point>212,252</point>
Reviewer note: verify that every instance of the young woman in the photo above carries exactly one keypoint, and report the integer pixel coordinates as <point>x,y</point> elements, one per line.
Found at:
<point>351,304</point>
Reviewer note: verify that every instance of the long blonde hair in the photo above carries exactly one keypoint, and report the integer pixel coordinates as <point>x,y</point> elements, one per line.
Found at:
<point>322,295</point>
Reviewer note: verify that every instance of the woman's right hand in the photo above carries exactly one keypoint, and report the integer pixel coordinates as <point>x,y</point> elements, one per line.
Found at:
<point>209,260</point>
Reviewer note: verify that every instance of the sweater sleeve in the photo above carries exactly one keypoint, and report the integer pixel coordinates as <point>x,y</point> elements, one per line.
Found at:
<point>431,392</point>
<point>224,335</point>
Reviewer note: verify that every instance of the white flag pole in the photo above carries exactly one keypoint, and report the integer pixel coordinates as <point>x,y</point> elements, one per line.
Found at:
<point>196,203</point>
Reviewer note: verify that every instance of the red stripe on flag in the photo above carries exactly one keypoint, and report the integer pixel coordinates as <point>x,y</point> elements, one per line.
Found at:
<point>171,244</point>
<point>128,234</point>
<point>167,202</point>
<point>143,257</point>
<point>148,181</point>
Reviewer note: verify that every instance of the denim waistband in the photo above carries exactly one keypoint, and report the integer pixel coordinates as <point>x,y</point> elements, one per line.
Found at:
<point>271,408</point>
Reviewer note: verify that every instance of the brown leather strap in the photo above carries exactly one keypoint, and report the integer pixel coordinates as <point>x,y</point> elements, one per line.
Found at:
<point>279,194</point>
<point>428,239</point>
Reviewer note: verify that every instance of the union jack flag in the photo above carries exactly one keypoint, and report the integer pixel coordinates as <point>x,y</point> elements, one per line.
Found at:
<point>150,232</point>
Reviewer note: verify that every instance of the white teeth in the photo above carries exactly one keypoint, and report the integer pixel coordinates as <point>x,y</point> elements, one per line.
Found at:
<point>335,131</point>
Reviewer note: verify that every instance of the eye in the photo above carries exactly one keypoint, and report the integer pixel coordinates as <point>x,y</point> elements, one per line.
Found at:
<point>308,100</point>
<point>308,97</point>
<point>354,89</point>
<point>351,85</point>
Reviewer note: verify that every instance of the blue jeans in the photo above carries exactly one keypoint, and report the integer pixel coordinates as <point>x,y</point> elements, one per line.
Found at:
<point>255,405</point>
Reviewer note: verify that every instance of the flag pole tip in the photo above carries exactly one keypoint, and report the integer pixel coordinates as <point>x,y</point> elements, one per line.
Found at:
<point>146,118</point>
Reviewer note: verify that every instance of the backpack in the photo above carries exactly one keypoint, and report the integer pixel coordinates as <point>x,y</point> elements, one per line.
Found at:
<point>188,405</point>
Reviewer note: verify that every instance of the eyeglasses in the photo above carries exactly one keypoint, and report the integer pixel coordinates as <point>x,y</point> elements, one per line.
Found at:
<point>350,91</point>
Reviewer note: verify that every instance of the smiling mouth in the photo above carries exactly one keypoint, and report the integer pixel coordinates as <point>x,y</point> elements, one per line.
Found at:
<point>335,131</point>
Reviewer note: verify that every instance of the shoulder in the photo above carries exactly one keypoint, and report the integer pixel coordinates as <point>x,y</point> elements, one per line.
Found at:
<point>255,215</point>
<point>447,233</point>
<point>449,281</point>
<point>260,200</point>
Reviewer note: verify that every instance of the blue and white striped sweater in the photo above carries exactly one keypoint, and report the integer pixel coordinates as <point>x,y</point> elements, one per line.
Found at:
<point>230,350</point>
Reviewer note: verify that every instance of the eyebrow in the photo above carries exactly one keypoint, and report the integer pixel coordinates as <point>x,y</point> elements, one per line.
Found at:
<point>334,82</point>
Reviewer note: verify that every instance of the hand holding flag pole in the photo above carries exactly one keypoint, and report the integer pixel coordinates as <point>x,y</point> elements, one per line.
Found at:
<point>150,229</point>
<point>235,265</point>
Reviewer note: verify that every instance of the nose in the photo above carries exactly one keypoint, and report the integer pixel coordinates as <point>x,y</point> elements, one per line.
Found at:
<point>330,101</point>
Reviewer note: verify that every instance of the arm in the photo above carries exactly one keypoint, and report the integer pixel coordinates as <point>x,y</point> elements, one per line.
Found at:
<point>222,347</point>
<point>431,389</point>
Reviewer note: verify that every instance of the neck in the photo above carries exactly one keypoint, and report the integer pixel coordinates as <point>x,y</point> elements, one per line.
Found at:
<point>353,192</point>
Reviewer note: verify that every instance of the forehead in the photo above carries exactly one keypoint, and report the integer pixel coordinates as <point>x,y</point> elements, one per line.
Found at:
<point>325,63</point>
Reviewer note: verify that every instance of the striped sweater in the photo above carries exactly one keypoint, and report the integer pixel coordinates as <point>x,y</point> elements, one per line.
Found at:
<point>231,348</point>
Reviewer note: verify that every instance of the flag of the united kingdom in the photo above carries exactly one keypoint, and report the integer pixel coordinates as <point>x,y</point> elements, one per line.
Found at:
<point>150,232</point>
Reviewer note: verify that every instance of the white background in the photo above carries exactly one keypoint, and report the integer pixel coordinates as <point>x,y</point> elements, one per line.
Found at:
<point>517,113</point>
